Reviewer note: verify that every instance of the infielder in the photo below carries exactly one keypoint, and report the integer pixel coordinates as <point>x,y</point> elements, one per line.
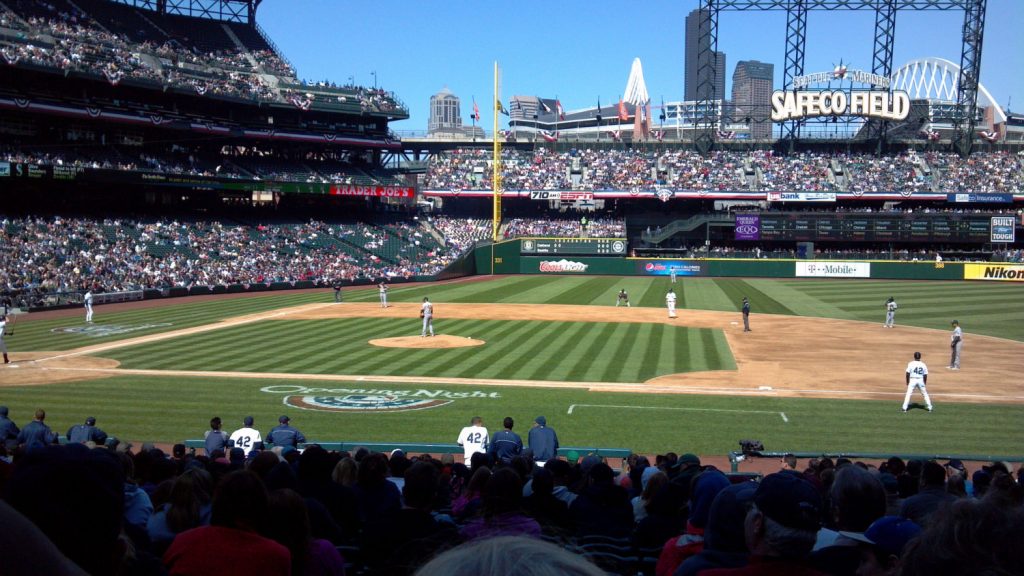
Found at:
<point>3,345</point>
<point>383,289</point>
<point>88,306</point>
<point>746,314</point>
<point>473,438</point>
<point>890,312</point>
<point>917,377</point>
<point>427,314</point>
<point>670,301</point>
<point>623,298</point>
<point>956,344</point>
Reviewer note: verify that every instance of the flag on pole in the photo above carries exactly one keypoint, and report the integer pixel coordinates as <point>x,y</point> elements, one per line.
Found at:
<point>726,134</point>
<point>499,107</point>
<point>623,114</point>
<point>558,108</point>
<point>989,135</point>
<point>549,136</point>
<point>543,105</point>
<point>476,111</point>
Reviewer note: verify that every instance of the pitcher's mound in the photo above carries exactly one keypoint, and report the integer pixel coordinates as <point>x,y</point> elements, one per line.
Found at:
<point>439,341</point>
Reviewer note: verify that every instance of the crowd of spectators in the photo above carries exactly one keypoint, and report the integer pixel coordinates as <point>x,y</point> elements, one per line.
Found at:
<point>107,508</point>
<point>601,227</point>
<point>617,169</point>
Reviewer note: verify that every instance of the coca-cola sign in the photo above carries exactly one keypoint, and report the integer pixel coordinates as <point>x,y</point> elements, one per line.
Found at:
<point>563,266</point>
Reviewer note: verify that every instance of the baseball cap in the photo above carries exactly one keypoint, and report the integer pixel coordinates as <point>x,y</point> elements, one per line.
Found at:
<point>247,420</point>
<point>889,534</point>
<point>688,459</point>
<point>541,420</point>
<point>283,419</point>
<point>3,411</point>
<point>90,421</point>
<point>955,463</point>
<point>789,499</point>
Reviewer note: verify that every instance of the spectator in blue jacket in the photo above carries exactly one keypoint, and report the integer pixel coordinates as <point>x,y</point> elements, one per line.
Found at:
<point>285,435</point>
<point>88,432</point>
<point>8,429</point>
<point>543,441</point>
<point>506,444</point>
<point>36,434</point>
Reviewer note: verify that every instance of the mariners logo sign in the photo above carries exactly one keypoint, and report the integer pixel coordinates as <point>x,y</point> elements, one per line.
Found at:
<point>368,400</point>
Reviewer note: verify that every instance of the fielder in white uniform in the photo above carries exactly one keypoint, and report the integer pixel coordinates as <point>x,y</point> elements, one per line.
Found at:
<point>670,301</point>
<point>672,274</point>
<point>956,344</point>
<point>427,313</point>
<point>473,438</point>
<point>247,438</point>
<point>622,298</point>
<point>890,312</point>
<point>88,306</point>
<point>3,331</point>
<point>917,377</point>
<point>383,289</point>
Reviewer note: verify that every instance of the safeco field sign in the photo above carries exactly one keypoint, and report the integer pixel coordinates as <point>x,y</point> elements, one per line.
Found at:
<point>998,272</point>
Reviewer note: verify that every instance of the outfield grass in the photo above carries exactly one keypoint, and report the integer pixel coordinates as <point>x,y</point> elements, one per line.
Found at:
<point>173,409</point>
<point>527,350</point>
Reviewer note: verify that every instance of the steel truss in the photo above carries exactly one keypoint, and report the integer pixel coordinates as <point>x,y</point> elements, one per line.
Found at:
<point>796,36</point>
<point>243,11</point>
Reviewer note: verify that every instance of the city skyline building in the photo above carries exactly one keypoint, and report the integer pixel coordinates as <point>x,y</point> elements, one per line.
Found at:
<point>751,96</point>
<point>694,21</point>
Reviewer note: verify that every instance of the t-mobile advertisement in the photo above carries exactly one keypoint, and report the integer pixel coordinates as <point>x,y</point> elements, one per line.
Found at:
<point>665,268</point>
<point>748,227</point>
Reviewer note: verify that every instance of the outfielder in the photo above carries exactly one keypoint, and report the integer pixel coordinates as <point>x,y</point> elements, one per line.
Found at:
<point>383,289</point>
<point>672,274</point>
<point>956,344</point>
<point>670,300</point>
<point>427,314</point>
<point>473,438</point>
<point>88,306</point>
<point>3,345</point>
<point>917,377</point>
<point>890,312</point>
<point>623,298</point>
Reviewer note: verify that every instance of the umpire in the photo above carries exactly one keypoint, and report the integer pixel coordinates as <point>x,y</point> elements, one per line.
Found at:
<point>285,435</point>
<point>82,433</point>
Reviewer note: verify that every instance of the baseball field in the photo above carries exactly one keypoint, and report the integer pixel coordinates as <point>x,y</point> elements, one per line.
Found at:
<point>818,372</point>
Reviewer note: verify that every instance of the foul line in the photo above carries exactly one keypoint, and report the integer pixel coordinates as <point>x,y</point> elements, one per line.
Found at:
<point>572,407</point>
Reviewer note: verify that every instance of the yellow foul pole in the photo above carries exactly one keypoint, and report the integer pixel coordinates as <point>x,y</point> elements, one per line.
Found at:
<point>496,160</point>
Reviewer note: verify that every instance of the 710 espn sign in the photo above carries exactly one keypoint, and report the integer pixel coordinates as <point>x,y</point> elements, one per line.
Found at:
<point>562,196</point>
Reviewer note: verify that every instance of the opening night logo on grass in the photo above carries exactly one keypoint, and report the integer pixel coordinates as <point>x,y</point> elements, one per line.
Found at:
<point>102,330</point>
<point>369,400</point>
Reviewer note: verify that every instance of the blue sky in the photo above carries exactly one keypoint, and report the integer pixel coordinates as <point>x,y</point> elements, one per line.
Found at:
<point>580,51</point>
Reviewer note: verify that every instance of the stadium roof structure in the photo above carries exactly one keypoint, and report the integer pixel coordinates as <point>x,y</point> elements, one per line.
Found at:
<point>937,79</point>
<point>227,10</point>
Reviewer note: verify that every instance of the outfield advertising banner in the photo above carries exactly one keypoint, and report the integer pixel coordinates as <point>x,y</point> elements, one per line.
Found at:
<point>997,272</point>
<point>378,191</point>
<point>1003,229</point>
<point>748,227</point>
<point>665,268</point>
<point>986,198</point>
<point>561,266</point>
<point>833,269</point>
<point>801,196</point>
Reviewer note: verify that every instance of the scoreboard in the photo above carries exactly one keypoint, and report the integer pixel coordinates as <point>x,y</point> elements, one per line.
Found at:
<point>573,246</point>
<point>869,227</point>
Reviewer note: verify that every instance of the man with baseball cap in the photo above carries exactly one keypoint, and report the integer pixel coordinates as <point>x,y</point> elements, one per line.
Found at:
<point>543,441</point>
<point>882,545</point>
<point>285,435</point>
<point>780,528</point>
<point>82,433</point>
<point>247,438</point>
<point>8,429</point>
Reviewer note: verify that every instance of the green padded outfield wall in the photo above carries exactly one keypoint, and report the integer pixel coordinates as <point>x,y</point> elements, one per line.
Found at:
<point>507,260</point>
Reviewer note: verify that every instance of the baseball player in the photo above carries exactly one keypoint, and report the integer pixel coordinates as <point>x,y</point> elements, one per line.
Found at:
<point>890,312</point>
<point>247,438</point>
<point>3,345</point>
<point>670,301</point>
<point>746,314</point>
<point>88,306</point>
<point>473,438</point>
<point>383,289</point>
<point>672,274</point>
<point>284,434</point>
<point>956,344</point>
<point>337,290</point>
<point>88,432</point>
<point>623,298</point>
<point>427,314</point>
<point>917,377</point>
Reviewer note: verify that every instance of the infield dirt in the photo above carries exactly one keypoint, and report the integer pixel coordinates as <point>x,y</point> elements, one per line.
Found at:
<point>783,356</point>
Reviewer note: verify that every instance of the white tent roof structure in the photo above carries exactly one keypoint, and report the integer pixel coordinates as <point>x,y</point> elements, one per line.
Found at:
<point>636,88</point>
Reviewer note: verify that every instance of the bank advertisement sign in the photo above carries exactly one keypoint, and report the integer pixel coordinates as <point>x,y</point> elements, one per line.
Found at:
<point>748,227</point>
<point>666,267</point>
<point>833,269</point>
<point>996,272</point>
<point>1003,229</point>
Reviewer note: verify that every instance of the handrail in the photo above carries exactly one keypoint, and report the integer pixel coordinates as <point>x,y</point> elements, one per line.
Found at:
<point>737,456</point>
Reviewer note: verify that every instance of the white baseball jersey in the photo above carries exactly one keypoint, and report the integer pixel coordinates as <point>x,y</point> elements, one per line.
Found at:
<point>670,299</point>
<point>3,328</point>
<point>383,289</point>
<point>88,298</point>
<point>428,310</point>
<point>917,371</point>
<point>957,335</point>
<point>891,307</point>
<point>473,439</point>
<point>246,438</point>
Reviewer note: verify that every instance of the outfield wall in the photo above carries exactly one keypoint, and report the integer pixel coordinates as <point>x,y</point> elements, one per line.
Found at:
<point>505,258</point>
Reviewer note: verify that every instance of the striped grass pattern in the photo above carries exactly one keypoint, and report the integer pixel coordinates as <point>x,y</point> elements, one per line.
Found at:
<point>531,350</point>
